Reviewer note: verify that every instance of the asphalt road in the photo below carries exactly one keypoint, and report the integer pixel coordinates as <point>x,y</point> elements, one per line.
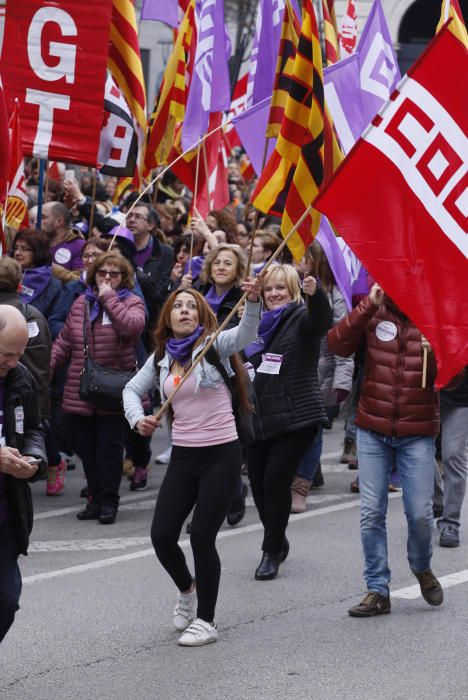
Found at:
<point>97,610</point>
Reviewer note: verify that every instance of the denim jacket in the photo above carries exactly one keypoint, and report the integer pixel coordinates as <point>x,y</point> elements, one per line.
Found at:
<point>227,343</point>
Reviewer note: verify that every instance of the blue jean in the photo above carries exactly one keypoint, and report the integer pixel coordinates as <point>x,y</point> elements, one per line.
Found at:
<point>311,460</point>
<point>10,581</point>
<point>414,459</point>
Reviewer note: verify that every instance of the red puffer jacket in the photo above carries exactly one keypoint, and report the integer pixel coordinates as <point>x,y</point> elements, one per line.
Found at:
<point>111,341</point>
<point>392,400</point>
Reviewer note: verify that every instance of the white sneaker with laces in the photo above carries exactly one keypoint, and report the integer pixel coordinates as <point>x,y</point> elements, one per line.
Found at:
<point>199,633</point>
<point>185,610</point>
<point>164,457</point>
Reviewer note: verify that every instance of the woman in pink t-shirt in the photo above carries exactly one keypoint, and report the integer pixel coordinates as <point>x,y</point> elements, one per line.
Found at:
<point>206,453</point>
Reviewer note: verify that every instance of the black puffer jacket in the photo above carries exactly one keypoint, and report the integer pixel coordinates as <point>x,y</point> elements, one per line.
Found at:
<point>292,399</point>
<point>226,306</point>
<point>23,431</point>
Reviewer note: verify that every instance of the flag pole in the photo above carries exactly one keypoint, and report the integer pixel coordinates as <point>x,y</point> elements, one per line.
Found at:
<point>46,180</point>
<point>424,371</point>
<point>205,163</point>
<point>93,203</point>
<point>197,172</point>
<point>257,213</point>
<point>215,335</point>
<point>40,194</point>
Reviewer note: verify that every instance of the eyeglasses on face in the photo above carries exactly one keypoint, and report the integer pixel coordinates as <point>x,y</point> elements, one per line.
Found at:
<point>89,256</point>
<point>113,274</point>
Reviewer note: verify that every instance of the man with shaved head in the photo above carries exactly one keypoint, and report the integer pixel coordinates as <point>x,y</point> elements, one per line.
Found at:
<point>21,440</point>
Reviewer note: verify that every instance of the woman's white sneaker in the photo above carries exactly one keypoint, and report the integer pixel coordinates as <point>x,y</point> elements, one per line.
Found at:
<point>199,633</point>
<point>185,610</point>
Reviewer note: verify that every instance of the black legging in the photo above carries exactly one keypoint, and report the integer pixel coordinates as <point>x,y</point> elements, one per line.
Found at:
<point>207,478</point>
<point>272,466</point>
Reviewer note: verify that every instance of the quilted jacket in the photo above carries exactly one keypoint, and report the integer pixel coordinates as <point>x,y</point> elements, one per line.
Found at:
<point>112,340</point>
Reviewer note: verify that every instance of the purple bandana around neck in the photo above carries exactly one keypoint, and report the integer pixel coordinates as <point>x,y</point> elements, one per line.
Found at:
<point>93,299</point>
<point>266,331</point>
<point>214,300</point>
<point>181,348</point>
<point>34,281</point>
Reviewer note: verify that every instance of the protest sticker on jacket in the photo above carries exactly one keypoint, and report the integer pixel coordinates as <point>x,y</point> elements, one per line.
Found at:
<point>54,62</point>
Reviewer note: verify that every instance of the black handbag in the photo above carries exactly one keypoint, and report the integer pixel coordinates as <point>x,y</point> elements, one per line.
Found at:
<point>243,418</point>
<point>101,386</point>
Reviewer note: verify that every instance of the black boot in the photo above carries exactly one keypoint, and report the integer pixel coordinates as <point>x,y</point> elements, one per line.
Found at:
<point>268,567</point>
<point>108,515</point>
<point>91,512</point>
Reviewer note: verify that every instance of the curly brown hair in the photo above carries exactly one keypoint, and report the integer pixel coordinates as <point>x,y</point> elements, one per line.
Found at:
<point>226,222</point>
<point>112,258</point>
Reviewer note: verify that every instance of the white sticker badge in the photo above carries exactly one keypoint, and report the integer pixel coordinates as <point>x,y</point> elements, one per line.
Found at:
<point>33,329</point>
<point>271,363</point>
<point>19,420</point>
<point>386,331</point>
<point>62,256</point>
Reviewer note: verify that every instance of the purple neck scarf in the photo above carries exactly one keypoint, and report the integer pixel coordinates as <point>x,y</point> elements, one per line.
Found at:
<point>34,281</point>
<point>266,330</point>
<point>181,348</point>
<point>94,306</point>
<point>214,300</point>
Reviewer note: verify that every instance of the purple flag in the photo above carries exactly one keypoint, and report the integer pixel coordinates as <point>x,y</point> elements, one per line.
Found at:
<point>251,127</point>
<point>265,48</point>
<point>343,95</point>
<point>331,248</point>
<point>163,11</point>
<point>210,88</point>
<point>378,64</point>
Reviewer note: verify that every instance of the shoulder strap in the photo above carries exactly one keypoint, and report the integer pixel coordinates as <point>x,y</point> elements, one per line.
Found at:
<point>213,358</point>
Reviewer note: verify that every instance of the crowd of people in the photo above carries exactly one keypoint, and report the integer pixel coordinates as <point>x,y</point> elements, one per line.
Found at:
<point>135,290</point>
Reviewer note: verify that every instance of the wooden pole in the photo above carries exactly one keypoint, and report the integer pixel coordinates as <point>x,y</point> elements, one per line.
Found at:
<point>257,213</point>
<point>93,204</point>
<point>241,301</point>
<point>424,372</point>
<point>192,235</point>
<point>46,181</point>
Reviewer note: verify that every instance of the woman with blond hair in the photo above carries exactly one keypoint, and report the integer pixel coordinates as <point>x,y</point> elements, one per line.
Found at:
<point>289,406</point>
<point>206,453</point>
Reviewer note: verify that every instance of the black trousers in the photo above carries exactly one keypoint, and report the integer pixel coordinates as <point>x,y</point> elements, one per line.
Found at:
<point>204,477</point>
<point>98,441</point>
<point>272,466</point>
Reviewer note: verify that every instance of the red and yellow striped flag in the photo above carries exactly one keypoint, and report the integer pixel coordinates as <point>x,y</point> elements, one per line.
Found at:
<point>451,8</point>
<point>332,47</point>
<point>284,69</point>
<point>169,108</point>
<point>271,190</point>
<point>332,14</point>
<point>307,151</point>
<point>125,60</point>
<point>319,158</point>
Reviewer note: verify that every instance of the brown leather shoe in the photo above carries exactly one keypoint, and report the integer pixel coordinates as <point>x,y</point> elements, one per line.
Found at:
<point>431,590</point>
<point>372,604</point>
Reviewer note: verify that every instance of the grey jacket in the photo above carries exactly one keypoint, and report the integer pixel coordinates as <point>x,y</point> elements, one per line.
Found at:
<point>334,372</point>
<point>206,375</point>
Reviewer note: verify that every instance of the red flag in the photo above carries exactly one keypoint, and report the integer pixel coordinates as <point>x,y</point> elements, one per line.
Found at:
<point>54,61</point>
<point>16,207</point>
<point>409,226</point>
<point>4,144</point>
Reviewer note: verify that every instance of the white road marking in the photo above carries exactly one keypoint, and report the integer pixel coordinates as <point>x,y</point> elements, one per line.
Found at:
<point>185,543</point>
<point>45,515</point>
<point>413,592</point>
<point>313,500</point>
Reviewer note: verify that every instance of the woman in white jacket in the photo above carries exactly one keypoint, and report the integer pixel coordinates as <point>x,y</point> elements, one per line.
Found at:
<point>204,467</point>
